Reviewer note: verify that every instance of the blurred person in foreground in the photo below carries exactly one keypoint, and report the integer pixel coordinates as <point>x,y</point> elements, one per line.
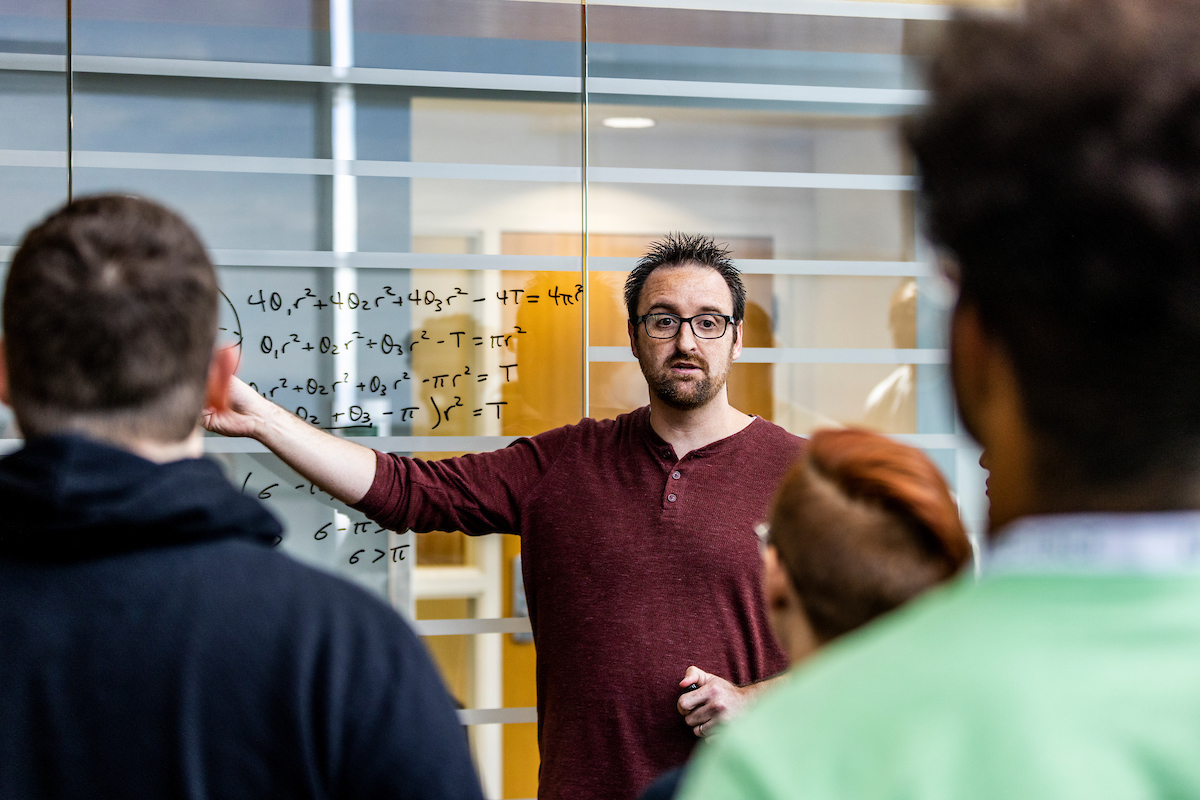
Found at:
<point>1060,164</point>
<point>860,526</point>
<point>152,643</point>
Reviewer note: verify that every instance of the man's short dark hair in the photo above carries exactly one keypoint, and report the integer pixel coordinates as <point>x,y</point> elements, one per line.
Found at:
<point>110,316</point>
<point>677,249</point>
<point>1060,168</point>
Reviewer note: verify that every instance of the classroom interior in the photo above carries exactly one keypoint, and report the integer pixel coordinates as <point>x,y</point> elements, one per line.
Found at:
<point>423,214</point>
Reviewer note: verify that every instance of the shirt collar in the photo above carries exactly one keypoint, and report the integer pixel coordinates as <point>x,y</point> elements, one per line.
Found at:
<point>666,453</point>
<point>1143,543</point>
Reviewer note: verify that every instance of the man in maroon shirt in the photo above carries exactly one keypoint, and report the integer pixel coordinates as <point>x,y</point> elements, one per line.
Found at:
<point>640,560</point>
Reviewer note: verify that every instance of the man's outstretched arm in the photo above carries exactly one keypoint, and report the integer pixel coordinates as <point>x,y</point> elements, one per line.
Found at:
<point>341,468</point>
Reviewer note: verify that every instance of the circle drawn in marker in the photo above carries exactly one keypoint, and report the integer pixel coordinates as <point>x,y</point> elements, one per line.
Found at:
<point>229,327</point>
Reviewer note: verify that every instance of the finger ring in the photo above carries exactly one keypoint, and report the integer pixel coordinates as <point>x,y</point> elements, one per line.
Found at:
<point>702,729</point>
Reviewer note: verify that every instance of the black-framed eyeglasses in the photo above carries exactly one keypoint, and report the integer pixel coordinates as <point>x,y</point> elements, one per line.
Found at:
<point>666,326</point>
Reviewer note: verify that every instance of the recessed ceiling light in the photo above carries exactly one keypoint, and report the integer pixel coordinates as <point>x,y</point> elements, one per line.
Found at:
<point>628,122</point>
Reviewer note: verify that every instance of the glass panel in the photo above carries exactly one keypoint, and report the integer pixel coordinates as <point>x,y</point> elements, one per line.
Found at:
<point>454,655</point>
<point>480,36</point>
<point>483,131</point>
<point>776,133</point>
<point>493,219</point>
<point>810,224</point>
<point>366,175</point>
<point>232,210</point>
<point>275,167</point>
<point>265,31</point>
<point>33,140</point>
<point>765,139</point>
<point>154,114</point>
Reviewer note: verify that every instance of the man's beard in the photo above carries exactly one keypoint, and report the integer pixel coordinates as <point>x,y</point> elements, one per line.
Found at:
<point>684,395</point>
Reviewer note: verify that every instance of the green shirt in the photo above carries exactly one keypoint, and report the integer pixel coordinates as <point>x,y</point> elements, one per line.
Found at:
<point>1020,686</point>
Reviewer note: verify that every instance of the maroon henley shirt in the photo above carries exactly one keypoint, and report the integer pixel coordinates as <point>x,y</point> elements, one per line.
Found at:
<point>637,564</point>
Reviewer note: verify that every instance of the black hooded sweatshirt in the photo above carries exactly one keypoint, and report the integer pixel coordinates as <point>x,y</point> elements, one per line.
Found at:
<point>153,644</point>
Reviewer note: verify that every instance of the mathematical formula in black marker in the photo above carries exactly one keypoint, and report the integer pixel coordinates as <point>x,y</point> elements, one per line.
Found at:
<point>367,554</point>
<point>357,417</point>
<point>354,302</point>
<point>378,386</point>
<point>443,369</point>
<point>387,344</point>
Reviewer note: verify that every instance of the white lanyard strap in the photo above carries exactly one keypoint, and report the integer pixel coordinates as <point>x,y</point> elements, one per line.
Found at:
<point>1162,542</point>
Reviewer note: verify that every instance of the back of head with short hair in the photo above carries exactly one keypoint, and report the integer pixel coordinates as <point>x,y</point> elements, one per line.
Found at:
<point>1060,168</point>
<point>678,249</point>
<point>863,524</point>
<point>110,316</point>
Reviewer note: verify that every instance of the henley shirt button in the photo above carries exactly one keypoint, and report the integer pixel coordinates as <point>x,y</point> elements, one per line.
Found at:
<point>671,498</point>
<point>675,474</point>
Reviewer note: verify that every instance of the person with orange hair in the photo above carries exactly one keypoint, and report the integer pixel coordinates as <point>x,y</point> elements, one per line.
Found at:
<point>860,525</point>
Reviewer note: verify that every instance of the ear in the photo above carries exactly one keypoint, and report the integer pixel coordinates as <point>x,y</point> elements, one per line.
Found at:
<point>785,609</point>
<point>738,332</point>
<point>776,589</point>
<point>985,380</point>
<point>5,393</point>
<point>993,412</point>
<point>969,352</point>
<point>220,370</point>
<point>633,339</point>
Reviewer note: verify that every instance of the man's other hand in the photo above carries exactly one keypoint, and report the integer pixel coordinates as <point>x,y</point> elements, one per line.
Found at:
<point>714,701</point>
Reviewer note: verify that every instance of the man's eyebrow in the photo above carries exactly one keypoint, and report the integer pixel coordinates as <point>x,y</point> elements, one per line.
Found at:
<point>672,309</point>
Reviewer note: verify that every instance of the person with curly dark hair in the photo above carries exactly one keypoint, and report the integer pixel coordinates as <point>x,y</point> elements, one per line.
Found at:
<point>1059,161</point>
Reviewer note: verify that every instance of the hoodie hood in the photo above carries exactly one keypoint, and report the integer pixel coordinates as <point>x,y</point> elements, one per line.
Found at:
<point>67,498</point>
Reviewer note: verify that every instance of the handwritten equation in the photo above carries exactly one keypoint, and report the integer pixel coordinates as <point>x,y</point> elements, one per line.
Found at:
<point>358,417</point>
<point>435,358</point>
<point>276,302</point>
<point>387,344</point>
<point>369,553</point>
